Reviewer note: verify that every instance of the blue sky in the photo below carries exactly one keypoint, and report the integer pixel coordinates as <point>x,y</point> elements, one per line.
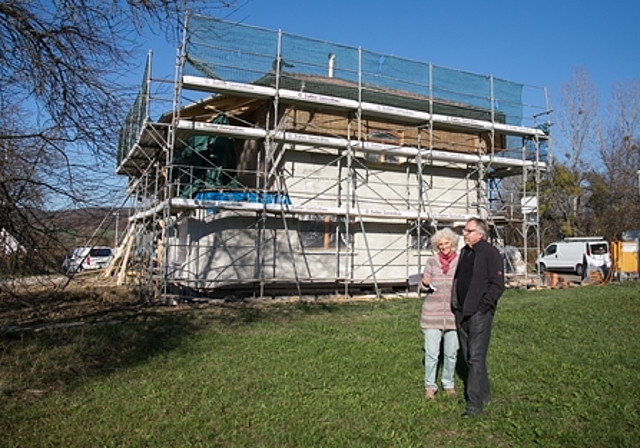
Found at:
<point>536,43</point>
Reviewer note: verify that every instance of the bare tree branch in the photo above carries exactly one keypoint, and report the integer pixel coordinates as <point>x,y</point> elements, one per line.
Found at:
<point>63,67</point>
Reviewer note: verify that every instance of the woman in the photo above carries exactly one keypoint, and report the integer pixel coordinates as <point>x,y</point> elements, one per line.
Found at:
<point>437,320</point>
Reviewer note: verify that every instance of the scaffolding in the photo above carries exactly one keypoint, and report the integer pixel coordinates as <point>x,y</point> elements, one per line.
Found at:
<point>283,165</point>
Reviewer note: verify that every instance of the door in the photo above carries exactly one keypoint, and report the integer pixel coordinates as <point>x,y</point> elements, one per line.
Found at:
<point>550,256</point>
<point>598,254</point>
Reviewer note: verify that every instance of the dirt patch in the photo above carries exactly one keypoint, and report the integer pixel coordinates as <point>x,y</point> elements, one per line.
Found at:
<point>57,301</point>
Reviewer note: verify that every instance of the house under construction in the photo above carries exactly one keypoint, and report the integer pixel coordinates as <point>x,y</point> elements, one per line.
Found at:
<point>274,164</point>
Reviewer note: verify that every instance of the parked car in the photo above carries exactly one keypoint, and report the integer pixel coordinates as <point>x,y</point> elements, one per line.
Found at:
<point>575,255</point>
<point>85,258</point>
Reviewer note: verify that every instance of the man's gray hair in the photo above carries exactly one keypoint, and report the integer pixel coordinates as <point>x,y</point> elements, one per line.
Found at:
<point>481,226</point>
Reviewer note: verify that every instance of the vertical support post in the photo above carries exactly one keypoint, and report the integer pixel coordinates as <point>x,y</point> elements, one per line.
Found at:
<point>638,172</point>
<point>115,235</point>
<point>638,240</point>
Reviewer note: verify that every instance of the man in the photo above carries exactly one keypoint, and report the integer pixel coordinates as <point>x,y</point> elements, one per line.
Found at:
<point>477,286</point>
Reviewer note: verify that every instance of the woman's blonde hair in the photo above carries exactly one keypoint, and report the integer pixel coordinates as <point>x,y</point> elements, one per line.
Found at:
<point>445,234</point>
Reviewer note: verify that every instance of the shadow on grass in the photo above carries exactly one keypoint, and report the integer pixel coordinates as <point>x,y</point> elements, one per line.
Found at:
<point>38,362</point>
<point>57,349</point>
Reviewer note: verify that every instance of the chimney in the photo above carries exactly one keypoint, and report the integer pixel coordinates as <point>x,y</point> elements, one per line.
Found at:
<point>331,66</point>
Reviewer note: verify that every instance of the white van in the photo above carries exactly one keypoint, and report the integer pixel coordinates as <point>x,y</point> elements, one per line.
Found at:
<point>575,255</point>
<point>81,258</point>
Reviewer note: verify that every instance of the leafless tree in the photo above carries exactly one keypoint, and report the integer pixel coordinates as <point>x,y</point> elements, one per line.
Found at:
<point>577,121</point>
<point>63,99</point>
<point>613,205</point>
<point>592,188</point>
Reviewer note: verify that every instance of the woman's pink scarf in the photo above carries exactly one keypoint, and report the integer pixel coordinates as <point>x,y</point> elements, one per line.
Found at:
<point>446,260</point>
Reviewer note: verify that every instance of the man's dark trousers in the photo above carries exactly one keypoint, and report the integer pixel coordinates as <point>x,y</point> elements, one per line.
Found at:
<point>474,333</point>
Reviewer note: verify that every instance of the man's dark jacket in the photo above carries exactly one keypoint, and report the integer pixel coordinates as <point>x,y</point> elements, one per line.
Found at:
<point>487,281</point>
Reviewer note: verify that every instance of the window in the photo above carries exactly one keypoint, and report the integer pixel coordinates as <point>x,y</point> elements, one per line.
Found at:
<point>421,242</point>
<point>388,137</point>
<point>323,232</point>
<point>101,252</point>
<point>599,248</point>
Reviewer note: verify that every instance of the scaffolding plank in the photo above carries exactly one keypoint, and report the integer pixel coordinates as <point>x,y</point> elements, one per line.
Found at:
<point>198,127</point>
<point>219,86</point>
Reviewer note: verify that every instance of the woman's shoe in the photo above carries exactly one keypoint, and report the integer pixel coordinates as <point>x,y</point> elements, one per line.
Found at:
<point>429,392</point>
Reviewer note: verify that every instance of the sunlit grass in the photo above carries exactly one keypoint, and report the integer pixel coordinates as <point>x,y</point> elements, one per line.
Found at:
<point>563,366</point>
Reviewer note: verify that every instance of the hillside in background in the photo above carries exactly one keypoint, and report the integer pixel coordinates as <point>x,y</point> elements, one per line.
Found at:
<point>91,226</point>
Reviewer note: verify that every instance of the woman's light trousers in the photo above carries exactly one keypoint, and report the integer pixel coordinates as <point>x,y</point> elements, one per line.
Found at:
<point>432,338</point>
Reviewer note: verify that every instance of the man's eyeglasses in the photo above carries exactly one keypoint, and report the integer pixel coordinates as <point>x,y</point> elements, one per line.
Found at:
<point>469,230</point>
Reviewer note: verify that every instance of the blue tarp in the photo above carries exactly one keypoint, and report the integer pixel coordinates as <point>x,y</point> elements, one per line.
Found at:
<point>244,196</point>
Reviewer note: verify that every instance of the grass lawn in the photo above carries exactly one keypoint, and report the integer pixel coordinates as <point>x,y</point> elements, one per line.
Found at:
<point>563,365</point>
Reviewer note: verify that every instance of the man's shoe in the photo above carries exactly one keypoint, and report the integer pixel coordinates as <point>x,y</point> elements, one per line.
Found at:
<point>470,413</point>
